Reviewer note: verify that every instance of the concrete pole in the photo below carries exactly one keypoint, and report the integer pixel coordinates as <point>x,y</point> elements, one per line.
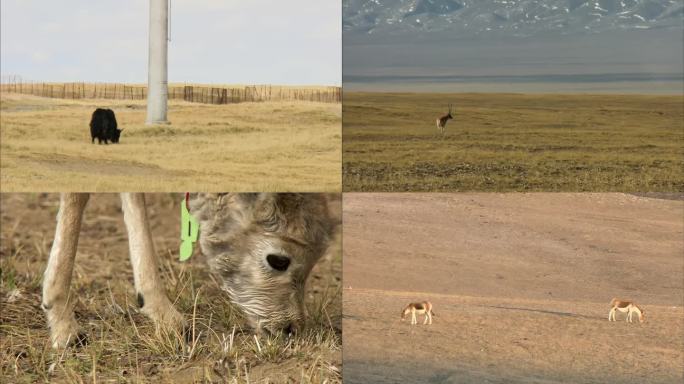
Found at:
<point>157,79</point>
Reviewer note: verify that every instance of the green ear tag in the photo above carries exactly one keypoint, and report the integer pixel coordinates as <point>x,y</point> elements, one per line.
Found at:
<point>189,231</point>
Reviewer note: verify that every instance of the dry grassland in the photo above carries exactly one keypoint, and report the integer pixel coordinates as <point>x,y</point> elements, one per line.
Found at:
<point>122,344</point>
<point>268,146</point>
<point>513,142</point>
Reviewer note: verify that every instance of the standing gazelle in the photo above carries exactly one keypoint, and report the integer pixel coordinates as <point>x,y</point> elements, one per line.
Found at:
<point>422,308</point>
<point>625,307</point>
<point>441,122</point>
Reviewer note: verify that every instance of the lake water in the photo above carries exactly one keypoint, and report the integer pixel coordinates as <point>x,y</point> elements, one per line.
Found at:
<point>642,83</point>
<point>650,62</point>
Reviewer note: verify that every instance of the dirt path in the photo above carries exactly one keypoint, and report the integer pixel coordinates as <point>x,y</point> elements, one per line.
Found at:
<point>520,283</point>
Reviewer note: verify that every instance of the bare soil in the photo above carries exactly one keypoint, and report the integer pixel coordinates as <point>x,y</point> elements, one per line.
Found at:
<point>520,283</point>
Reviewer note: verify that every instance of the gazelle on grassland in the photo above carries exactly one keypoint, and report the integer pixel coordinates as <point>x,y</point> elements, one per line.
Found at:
<point>422,308</point>
<point>441,122</point>
<point>625,307</point>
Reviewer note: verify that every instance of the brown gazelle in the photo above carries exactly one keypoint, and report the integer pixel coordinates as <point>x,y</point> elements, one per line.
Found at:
<point>422,308</point>
<point>441,122</point>
<point>625,307</point>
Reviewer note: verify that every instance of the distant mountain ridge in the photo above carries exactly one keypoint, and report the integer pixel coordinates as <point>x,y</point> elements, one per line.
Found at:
<point>523,18</point>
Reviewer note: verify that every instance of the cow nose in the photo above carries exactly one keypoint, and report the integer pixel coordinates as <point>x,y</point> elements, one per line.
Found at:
<point>290,329</point>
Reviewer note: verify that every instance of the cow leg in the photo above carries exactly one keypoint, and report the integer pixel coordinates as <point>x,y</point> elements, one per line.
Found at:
<point>151,296</point>
<point>57,302</point>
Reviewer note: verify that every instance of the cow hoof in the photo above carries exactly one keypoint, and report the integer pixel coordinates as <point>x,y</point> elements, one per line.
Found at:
<point>78,340</point>
<point>81,340</point>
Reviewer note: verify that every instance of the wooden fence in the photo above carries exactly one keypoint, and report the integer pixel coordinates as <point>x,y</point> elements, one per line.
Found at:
<point>190,93</point>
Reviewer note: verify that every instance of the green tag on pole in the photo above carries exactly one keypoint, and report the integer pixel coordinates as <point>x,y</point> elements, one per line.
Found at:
<point>189,231</point>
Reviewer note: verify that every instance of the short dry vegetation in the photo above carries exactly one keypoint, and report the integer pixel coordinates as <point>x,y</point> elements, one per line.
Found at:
<point>261,146</point>
<point>513,142</point>
<point>122,344</point>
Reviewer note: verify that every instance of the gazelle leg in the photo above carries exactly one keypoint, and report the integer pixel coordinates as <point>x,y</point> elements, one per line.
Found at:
<point>413,318</point>
<point>425,320</point>
<point>610,315</point>
<point>57,301</point>
<point>430,316</point>
<point>151,296</point>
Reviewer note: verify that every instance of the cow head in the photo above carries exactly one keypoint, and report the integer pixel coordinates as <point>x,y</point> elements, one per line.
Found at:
<point>263,247</point>
<point>116,133</point>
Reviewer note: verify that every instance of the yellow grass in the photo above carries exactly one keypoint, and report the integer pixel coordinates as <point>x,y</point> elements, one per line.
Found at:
<point>269,146</point>
<point>513,142</point>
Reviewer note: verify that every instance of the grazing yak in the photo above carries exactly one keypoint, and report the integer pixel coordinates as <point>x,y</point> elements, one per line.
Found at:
<point>103,127</point>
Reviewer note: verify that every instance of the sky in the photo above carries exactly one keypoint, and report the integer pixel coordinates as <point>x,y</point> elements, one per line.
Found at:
<point>294,42</point>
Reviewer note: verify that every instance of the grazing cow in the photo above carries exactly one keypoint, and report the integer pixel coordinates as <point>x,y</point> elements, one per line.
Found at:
<point>103,127</point>
<point>261,247</point>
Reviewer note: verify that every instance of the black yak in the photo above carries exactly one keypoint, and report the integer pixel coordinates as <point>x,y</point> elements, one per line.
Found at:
<point>103,127</point>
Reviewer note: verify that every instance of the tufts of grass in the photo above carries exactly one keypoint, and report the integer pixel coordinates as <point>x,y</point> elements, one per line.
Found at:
<point>123,344</point>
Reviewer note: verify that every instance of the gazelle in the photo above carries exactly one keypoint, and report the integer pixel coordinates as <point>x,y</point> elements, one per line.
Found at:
<point>625,307</point>
<point>441,122</point>
<point>422,308</point>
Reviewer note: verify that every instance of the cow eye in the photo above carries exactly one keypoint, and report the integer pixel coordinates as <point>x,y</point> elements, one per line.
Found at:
<point>278,262</point>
